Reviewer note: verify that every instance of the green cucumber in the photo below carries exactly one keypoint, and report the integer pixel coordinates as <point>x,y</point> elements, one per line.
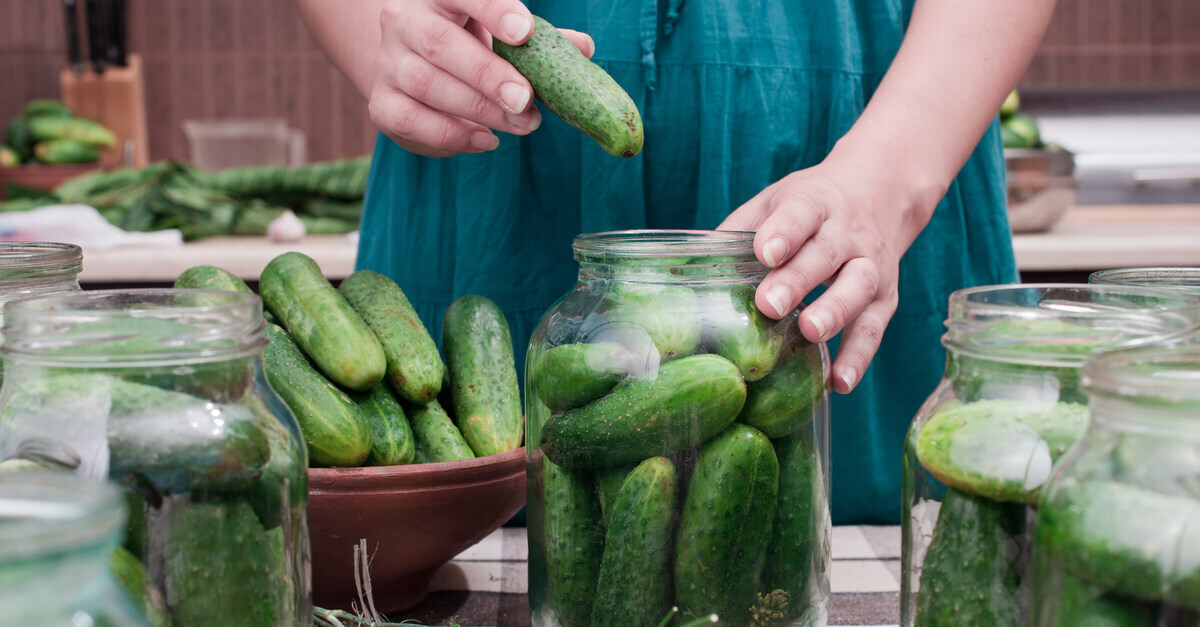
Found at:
<point>47,106</point>
<point>1003,450</point>
<point>18,137</point>
<point>725,526</point>
<point>1075,602</point>
<point>576,89</point>
<point>784,400</point>
<point>573,375</point>
<point>669,314</point>
<point>435,437</point>
<point>483,375</point>
<point>414,366</point>
<point>46,127</point>
<point>573,543</point>
<point>211,278</point>
<point>689,401</point>
<point>334,429</point>
<point>634,586</point>
<point>131,576</point>
<point>799,552</point>
<point>1125,539</point>
<point>734,328</point>
<point>392,442</point>
<point>322,322</point>
<point>59,151</point>
<point>608,483</point>
<point>972,571</point>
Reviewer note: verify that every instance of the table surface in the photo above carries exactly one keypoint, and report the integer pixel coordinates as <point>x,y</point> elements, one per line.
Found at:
<point>486,584</point>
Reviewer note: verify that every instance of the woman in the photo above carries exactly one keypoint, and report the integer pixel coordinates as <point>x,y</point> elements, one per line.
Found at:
<point>846,133</point>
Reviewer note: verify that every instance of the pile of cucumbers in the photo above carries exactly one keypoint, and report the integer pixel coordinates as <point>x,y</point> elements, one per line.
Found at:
<point>677,464</point>
<point>364,378</point>
<point>48,132</point>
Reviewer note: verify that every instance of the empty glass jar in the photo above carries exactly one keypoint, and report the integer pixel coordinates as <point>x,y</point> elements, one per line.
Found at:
<point>677,442</point>
<point>37,268</point>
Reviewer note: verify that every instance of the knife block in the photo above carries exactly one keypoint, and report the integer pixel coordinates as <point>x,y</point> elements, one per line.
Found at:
<point>117,100</point>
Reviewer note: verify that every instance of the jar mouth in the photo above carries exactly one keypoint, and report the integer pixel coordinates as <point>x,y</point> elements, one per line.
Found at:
<point>1165,374</point>
<point>23,260</point>
<point>49,512</point>
<point>1182,279</point>
<point>651,244</point>
<point>137,327</point>
<point>1061,324</point>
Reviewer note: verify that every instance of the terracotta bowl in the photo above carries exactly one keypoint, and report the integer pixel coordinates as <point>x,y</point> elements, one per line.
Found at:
<point>414,518</point>
<point>40,176</point>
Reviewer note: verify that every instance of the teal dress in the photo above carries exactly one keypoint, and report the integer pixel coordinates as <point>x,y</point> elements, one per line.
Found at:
<point>734,95</point>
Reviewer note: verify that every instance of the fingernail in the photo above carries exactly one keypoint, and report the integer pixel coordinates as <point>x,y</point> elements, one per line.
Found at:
<point>774,251</point>
<point>514,97</point>
<point>849,378</point>
<point>530,124</point>
<point>591,45</point>
<point>515,26</point>
<point>779,298</point>
<point>484,141</point>
<point>822,320</point>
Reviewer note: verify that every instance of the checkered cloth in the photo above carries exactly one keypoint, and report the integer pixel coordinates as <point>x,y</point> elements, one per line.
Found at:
<point>486,584</point>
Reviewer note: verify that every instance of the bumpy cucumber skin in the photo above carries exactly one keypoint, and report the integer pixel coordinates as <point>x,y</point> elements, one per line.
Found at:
<point>608,484</point>
<point>734,328</point>
<point>576,89</point>
<point>669,314</point>
<point>1077,602</point>
<point>131,576</point>
<point>635,570</point>
<point>725,526</point>
<point>573,537</point>
<point>687,402</point>
<point>972,571</point>
<point>799,548</point>
<point>414,366</point>
<point>211,278</point>
<point>435,436</point>
<point>334,429</point>
<point>483,375</point>
<point>783,401</point>
<point>392,442</point>
<point>573,375</point>
<point>322,322</point>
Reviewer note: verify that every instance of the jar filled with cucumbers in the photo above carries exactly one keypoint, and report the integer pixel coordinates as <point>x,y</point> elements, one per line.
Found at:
<point>1117,539</point>
<point>163,393</point>
<point>985,442</point>
<point>677,442</point>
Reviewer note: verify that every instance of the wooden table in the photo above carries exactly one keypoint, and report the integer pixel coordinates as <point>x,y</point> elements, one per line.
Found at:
<point>1098,237</point>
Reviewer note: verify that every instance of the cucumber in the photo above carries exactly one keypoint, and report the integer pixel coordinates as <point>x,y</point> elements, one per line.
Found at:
<point>669,314</point>
<point>1003,450</point>
<point>59,151</point>
<point>634,586</point>
<point>322,322</point>
<point>576,89</point>
<point>18,137</point>
<point>483,375</point>
<point>608,483</point>
<point>798,555</point>
<point>572,375</point>
<point>784,400</point>
<point>334,429</point>
<point>435,437</point>
<point>211,278</point>
<point>1076,602</point>
<point>131,577</point>
<point>972,571</point>
<point>689,401</point>
<point>46,106</point>
<point>725,526</point>
<point>46,127</point>
<point>414,366</point>
<point>573,537</point>
<point>1125,539</point>
<point>392,442</point>
<point>9,157</point>
<point>734,328</point>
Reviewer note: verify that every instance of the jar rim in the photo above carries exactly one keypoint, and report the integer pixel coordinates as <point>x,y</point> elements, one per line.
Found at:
<point>47,512</point>
<point>1186,279</point>
<point>1059,324</point>
<point>75,328</point>
<point>637,243</point>
<point>35,259</point>
<point>1168,374</point>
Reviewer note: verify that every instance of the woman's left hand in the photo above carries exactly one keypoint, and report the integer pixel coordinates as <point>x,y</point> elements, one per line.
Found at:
<point>834,224</point>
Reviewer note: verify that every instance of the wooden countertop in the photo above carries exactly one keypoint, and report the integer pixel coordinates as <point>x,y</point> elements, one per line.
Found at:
<point>1096,237</point>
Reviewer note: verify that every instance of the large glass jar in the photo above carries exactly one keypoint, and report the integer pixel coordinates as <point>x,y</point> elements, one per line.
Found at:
<point>38,268</point>
<point>1117,540</point>
<point>57,537</point>
<point>677,441</point>
<point>985,442</point>
<point>162,391</point>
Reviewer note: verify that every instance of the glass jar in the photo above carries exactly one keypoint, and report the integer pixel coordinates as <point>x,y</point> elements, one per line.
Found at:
<point>1185,279</point>
<point>984,443</point>
<point>162,391</point>
<point>1118,525</point>
<point>57,535</point>
<point>37,268</point>
<point>677,441</point>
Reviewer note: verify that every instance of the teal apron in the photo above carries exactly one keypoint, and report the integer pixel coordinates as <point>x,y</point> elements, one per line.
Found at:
<point>734,94</point>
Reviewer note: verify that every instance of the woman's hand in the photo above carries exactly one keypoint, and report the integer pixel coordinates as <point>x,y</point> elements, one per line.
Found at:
<point>844,224</point>
<point>438,89</point>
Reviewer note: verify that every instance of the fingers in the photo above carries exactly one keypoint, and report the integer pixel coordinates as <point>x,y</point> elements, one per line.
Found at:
<point>441,91</point>
<point>422,130</point>
<point>583,41</point>
<point>860,342</point>
<point>508,20</point>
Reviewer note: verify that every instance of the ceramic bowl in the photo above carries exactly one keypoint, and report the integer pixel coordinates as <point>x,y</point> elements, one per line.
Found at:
<point>1041,187</point>
<point>414,519</point>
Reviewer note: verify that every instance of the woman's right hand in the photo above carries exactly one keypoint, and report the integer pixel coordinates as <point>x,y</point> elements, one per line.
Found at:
<point>438,89</point>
